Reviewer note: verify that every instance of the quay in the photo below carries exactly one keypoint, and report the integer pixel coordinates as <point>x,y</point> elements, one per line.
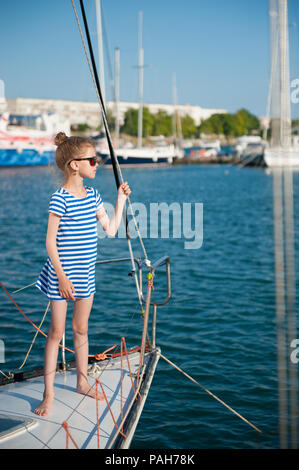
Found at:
<point>215,159</point>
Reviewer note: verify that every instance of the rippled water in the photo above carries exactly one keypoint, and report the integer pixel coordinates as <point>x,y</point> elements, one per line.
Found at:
<point>219,325</point>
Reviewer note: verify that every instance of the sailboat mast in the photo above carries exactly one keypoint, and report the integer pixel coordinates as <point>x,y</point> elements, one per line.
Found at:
<point>117,67</point>
<point>285,105</point>
<point>273,101</point>
<point>100,48</point>
<point>141,64</point>
<point>174,116</point>
<point>177,125</point>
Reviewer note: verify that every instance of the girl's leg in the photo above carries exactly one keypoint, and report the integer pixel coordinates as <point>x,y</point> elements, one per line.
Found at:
<point>82,308</point>
<point>56,331</point>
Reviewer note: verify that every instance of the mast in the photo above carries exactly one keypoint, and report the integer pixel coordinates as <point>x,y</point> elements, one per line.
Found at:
<point>140,65</point>
<point>274,86</point>
<point>100,48</point>
<point>176,122</point>
<point>117,67</point>
<point>272,118</point>
<point>285,105</point>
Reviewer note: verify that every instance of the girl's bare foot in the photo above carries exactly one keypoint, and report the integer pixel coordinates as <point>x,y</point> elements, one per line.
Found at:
<point>44,407</point>
<point>85,389</point>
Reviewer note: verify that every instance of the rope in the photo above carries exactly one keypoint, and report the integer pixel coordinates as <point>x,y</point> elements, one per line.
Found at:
<point>123,418</point>
<point>22,288</point>
<point>110,408</point>
<point>74,410</point>
<point>129,408</point>
<point>145,321</point>
<point>97,408</point>
<point>131,319</point>
<point>64,424</point>
<point>102,356</point>
<point>121,380</point>
<point>99,356</point>
<point>10,373</point>
<point>126,352</point>
<point>34,338</point>
<point>9,376</point>
<point>68,435</point>
<point>210,393</point>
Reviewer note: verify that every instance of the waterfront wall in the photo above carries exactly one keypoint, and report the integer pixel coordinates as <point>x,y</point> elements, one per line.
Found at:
<point>89,112</point>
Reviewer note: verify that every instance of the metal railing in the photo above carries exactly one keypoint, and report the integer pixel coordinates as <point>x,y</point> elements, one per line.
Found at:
<point>152,268</point>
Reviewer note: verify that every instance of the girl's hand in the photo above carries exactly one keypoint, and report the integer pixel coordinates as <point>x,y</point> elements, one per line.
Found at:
<point>124,190</point>
<point>66,288</point>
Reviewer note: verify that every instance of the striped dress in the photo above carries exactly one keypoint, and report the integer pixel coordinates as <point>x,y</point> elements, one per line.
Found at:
<point>76,243</point>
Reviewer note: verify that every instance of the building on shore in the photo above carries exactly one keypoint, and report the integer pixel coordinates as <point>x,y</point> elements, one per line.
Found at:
<point>78,112</point>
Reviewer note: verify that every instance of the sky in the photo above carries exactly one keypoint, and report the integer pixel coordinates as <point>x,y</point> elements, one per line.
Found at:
<point>218,49</point>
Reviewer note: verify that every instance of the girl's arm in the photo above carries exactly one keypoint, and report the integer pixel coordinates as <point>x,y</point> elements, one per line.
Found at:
<point>111,225</point>
<point>66,288</point>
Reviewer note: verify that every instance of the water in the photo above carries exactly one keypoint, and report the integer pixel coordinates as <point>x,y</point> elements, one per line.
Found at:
<point>219,325</point>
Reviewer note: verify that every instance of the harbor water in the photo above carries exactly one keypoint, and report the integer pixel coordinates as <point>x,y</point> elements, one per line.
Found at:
<point>219,325</point>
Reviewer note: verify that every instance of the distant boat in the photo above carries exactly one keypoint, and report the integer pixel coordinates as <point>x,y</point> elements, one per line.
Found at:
<point>28,140</point>
<point>204,149</point>
<point>284,149</point>
<point>250,150</point>
<point>246,141</point>
<point>145,156</point>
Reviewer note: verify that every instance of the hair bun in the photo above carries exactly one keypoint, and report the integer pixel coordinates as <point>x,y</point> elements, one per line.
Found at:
<point>60,138</point>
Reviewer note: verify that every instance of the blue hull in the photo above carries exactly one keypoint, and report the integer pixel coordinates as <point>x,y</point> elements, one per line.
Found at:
<point>28,157</point>
<point>135,161</point>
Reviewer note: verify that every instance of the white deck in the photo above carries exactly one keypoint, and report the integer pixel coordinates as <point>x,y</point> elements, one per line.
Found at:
<point>20,399</point>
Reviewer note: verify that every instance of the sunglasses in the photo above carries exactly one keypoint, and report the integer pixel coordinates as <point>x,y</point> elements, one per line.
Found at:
<point>92,160</point>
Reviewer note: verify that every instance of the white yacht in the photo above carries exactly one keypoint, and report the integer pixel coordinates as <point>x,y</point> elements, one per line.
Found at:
<point>284,149</point>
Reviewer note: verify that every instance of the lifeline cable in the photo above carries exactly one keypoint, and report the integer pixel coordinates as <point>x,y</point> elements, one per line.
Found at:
<point>211,394</point>
<point>100,356</point>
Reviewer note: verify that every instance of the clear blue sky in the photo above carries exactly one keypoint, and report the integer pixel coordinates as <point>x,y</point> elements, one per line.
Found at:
<point>219,50</point>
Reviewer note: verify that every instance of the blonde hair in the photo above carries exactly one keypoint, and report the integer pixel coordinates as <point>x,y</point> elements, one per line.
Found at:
<point>69,148</point>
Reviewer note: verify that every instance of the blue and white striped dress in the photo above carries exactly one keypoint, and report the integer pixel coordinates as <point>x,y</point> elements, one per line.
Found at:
<point>76,243</point>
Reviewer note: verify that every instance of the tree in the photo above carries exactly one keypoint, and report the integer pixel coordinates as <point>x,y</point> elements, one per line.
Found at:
<point>247,121</point>
<point>130,125</point>
<point>81,127</point>
<point>240,123</point>
<point>156,124</point>
<point>162,124</point>
<point>110,119</point>
<point>213,125</point>
<point>147,122</point>
<point>228,124</point>
<point>188,126</point>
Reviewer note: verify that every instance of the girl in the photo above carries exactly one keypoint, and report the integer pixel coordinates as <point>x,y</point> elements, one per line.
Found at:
<point>69,273</point>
